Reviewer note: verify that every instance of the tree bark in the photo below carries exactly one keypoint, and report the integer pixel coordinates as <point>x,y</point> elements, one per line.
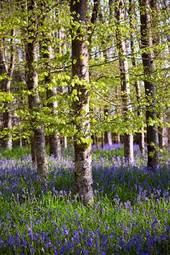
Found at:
<point>108,138</point>
<point>46,54</point>
<point>80,69</point>
<point>54,138</point>
<point>157,40</point>
<point>124,77</point>
<point>33,98</point>
<point>6,87</point>
<point>107,134</point>
<point>141,135</point>
<point>150,88</point>
<point>33,151</point>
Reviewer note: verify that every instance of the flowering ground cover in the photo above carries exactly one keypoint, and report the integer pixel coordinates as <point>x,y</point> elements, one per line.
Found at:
<point>131,214</point>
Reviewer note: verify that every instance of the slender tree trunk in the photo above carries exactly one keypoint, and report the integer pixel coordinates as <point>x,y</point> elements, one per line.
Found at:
<point>20,142</point>
<point>80,62</point>
<point>46,53</point>
<point>7,125</point>
<point>34,101</point>
<point>61,49</point>
<point>107,134</point>
<point>124,77</point>
<point>150,88</point>
<point>116,138</point>
<point>33,151</point>
<point>65,142</point>
<point>157,40</point>
<point>54,138</point>
<point>141,135</point>
<point>6,87</point>
<point>108,138</point>
<point>55,145</point>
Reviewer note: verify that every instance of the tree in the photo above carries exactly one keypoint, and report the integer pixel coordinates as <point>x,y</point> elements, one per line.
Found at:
<point>31,48</point>
<point>80,76</point>
<point>150,88</point>
<point>124,76</point>
<point>137,83</point>
<point>7,70</point>
<point>47,54</point>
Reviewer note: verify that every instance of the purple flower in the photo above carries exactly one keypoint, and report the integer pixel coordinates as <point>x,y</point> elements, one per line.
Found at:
<point>90,242</point>
<point>11,241</point>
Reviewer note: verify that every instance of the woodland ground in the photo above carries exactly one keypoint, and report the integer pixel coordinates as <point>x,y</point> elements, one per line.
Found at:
<point>131,214</point>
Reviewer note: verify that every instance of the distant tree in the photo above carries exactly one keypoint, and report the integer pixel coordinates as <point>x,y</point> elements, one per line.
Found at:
<point>7,64</point>
<point>124,76</point>
<point>47,55</point>
<point>137,83</point>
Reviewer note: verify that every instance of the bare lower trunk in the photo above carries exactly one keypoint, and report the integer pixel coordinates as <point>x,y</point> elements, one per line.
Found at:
<point>55,145</point>
<point>128,148</point>
<point>33,151</point>
<point>65,142</point>
<point>107,134</point>
<point>141,141</point>
<point>152,142</point>
<point>83,173</point>
<point>116,138</point>
<point>7,125</point>
<point>108,138</point>
<point>54,138</point>
<point>96,141</point>
<point>20,139</point>
<point>7,118</point>
<point>82,144</point>
<point>163,137</point>
<point>20,143</point>
<point>41,160</point>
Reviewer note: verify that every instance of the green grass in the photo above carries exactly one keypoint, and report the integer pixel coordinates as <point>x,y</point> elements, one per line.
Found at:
<point>50,213</point>
<point>107,155</point>
<point>15,153</point>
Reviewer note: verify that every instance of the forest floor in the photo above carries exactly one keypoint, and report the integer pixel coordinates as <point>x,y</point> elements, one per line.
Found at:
<point>131,214</point>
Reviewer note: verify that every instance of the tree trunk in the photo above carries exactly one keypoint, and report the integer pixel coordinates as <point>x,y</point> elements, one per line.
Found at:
<point>55,145</point>
<point>7,126</point>
<point>156,40</point>
<point>163,136</point>
<point>108,138</point>
<point>124,78</point>
<point>80,69</point>
<point>107,134</point>
<point>46,53</point>
<point>65,142</point>
<point>33,151</point>
<point>54,138</point>
<point>6,87</point>
<point>33,98</point>
<point>150,88</point>
<point>141,135</point>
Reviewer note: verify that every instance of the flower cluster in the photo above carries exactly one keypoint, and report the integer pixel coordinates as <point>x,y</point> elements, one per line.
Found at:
<point>130,215</point>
